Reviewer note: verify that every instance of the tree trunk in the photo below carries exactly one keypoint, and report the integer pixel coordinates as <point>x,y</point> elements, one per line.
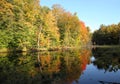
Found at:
<point>39,33</point>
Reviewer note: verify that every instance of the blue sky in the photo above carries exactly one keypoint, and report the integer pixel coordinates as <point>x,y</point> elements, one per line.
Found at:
<point>92,12</point>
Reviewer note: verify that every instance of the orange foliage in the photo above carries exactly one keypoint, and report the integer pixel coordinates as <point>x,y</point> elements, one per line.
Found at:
<point>52,65</point>
<point>84,32</point>
<point>74,73</point>
<point>84,59</point>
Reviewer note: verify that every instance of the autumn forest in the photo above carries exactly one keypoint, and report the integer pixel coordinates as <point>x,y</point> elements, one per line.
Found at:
<point>51,45</point>
<point>24,24</point>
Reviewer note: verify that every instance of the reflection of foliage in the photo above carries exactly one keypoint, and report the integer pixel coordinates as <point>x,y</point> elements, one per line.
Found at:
<point>107,82</point>
<point>107,58</point>
<point>49,68</point>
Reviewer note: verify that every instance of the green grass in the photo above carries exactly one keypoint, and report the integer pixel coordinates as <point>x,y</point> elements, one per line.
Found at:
<point>107,46</point>
<point>3,50</point>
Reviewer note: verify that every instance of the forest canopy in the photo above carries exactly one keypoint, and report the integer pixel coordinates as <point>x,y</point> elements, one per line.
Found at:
<point>107,35</point>
<point>26,24</point>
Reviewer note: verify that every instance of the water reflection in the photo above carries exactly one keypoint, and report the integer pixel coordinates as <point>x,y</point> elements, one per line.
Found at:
<point>107,59</point>
<point>61,67</point>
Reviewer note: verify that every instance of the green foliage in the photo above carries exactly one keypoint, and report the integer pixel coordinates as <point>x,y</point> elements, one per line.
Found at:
<point>24,24</point>
<point>17,30</point>
<point>107,35</point>
<point>69,27</point>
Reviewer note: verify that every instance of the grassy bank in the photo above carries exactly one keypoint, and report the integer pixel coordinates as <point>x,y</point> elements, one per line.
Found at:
<point>2,50</point>
<point>106,46</point>
<point>107,49</point>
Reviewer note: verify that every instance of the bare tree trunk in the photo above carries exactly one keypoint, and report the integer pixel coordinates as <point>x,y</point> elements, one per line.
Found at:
<point>39,33</point>
<point>39,62</point>
<point>119,39</point>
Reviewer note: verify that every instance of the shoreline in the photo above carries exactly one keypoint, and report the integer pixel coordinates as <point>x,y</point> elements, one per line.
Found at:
<point>105,46</point>
<point>7,50</point>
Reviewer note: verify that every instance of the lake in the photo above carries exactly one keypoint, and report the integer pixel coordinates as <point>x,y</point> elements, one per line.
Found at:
<point>85,66</point>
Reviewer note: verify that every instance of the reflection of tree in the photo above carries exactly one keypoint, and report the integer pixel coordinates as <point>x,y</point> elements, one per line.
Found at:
<point>43,67</point>
<point>107,58</point>
<point>106,82</point>
<point>66,66</point>
<point>85,56</point>
<point>15,68</point>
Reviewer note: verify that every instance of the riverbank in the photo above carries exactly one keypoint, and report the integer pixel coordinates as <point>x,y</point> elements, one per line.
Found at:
<point>105,46</point>
<point>5,50</point>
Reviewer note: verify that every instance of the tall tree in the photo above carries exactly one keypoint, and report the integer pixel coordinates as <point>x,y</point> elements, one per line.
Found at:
<point>108,35</point>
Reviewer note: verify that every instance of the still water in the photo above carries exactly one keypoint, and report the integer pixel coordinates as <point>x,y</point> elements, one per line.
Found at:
<point>96,66</point>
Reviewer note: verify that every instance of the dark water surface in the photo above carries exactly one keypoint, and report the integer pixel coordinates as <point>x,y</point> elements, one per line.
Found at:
<point>96,66</point>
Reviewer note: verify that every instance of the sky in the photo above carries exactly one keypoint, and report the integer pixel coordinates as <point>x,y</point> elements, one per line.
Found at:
<point>92,12</point>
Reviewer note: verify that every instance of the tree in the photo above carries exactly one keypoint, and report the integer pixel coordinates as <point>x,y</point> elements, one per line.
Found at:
<point>107,35</point>
<point>25,24</point>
